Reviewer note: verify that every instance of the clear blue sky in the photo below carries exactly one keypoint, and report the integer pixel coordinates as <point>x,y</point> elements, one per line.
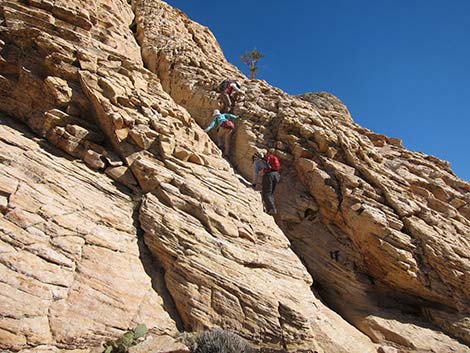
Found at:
<point>401,66</point>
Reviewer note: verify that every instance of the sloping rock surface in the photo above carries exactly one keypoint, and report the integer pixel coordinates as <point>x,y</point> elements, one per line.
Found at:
<point>378,226</point>
<point>72,268</point>
<point>383,231</point>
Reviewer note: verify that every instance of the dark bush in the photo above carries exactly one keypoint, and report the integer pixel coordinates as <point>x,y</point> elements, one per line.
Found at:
<point>217,341</point>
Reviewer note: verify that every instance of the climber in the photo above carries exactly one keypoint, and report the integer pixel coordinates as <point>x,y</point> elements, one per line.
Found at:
<point>271,178</point>
<point>269,165</point>
<point>259,164</point>
<point>229,90</point>
<point>225,127</point>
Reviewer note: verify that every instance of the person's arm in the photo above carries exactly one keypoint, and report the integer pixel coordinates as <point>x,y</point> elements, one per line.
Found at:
<point>257,167</point>
<point>255,173</point>
<point>231,116</point>
<point>211,125</point>
<point>235,87</point>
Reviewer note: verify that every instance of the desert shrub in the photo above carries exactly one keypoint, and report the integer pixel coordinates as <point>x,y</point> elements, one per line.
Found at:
<point>128,339</point>
<point>251,59</point>
<point>216,341</point>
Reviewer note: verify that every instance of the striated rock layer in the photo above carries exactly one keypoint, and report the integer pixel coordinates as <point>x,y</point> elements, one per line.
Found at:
<point>72,269</point>
<point>383,231</point>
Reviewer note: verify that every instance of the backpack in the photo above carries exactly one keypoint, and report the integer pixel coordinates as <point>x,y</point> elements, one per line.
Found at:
<point>273,163</point>
<point>228,124</point>
<point>223,85</point>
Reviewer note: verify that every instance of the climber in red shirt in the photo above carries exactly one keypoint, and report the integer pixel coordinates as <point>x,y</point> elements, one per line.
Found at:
<point>230,91</point>
<point>271,165</point>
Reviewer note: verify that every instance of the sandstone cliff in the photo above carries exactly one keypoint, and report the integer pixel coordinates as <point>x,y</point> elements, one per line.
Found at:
<point>142,220</point>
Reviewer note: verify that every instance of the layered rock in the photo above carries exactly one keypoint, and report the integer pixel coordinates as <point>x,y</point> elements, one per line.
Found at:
<point>118,120</point>
<point>378,226</point>
<point>73,271</point>
<point>381,229</point>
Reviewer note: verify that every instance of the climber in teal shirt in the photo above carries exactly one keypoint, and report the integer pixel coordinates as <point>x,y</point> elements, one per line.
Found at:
<point>225,127</point>
<point>221,119</point>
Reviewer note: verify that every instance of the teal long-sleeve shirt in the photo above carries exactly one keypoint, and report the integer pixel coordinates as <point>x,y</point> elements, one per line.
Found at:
<point>219,119</point>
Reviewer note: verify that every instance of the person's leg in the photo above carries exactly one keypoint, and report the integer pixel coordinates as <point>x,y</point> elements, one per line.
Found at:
<point>276,177</point>
<point>228,141</point>
<point>227,102</point>
<point>269,181</point>
<point>275,180</point>
<point>233,99</point>
<point>220,138</point>
<point>220,103</point>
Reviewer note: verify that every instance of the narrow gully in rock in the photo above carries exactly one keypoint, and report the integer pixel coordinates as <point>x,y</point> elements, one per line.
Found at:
<point>154,270</point>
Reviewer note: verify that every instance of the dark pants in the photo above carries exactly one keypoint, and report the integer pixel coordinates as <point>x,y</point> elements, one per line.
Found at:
<point>270,181</point>
<point>228,102</point>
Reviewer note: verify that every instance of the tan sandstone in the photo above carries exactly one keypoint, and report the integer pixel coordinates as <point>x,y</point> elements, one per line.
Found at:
<point>117,209</point>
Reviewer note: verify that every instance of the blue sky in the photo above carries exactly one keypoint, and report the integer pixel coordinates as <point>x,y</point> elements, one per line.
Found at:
<point>401,66</point>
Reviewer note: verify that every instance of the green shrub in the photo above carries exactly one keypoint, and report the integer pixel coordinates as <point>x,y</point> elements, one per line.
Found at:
<point>123,343</point>
<point>251,59</point>
<point>140,331</point>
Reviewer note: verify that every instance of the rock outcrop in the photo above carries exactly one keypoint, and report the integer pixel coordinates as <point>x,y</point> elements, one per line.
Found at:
<point>143,221</point>
<point>73,270</point>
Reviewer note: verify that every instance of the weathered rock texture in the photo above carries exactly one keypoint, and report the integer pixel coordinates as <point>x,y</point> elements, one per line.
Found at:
<point>379,227</point>
<point>383,231</point>
<point>72,270</point>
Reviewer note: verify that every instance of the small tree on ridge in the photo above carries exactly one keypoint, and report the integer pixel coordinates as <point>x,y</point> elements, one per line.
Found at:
<point>251,58</point>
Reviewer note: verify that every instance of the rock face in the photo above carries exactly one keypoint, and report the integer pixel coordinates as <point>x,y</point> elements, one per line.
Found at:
<point>378,233</point>
<point>71,263</point>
